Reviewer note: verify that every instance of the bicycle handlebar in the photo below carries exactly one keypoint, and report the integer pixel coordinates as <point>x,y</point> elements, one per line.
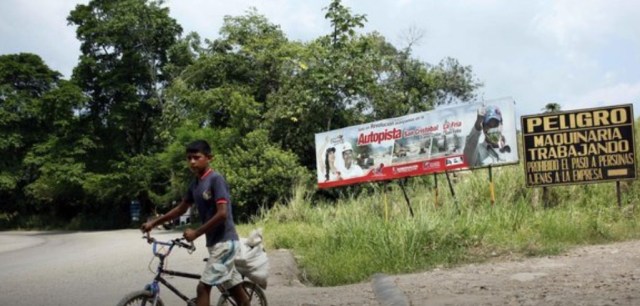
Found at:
<point>178,241</point>
<point>189,246</point>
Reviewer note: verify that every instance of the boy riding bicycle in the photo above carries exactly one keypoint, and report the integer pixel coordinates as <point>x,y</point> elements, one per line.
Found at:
<point>210,192</point>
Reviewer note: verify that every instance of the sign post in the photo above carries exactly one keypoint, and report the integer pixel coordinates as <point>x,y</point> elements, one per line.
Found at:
<point>134,209</point>
<point>618,193</point>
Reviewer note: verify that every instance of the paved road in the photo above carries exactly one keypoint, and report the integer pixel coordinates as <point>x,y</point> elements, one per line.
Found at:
<point>83,268</point>
<point>98,268</point>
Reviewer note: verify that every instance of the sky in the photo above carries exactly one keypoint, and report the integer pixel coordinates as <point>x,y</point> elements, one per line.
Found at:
<point>577,53</point>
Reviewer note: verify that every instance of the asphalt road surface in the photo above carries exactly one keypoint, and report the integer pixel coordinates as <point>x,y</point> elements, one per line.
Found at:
<point>99,268</point>
<point>85,268</point>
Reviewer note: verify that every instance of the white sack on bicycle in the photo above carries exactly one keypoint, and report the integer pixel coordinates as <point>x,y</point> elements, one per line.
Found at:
<point>252,260</point>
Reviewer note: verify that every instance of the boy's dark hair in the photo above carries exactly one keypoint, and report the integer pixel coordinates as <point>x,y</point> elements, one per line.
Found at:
<point>199,146</point>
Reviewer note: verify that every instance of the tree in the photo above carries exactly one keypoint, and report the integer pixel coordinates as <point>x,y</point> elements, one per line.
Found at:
<point>44,147</point>
<point>224,96</point>
<point>346,78</point>
<point>140,92</point>
<point>228,83</point>
<point>24,80</point>
<point>128,55</point>
<point>322,85</point>
<point>124,47</point>
<point>343,22</point>
<point>552,108</point>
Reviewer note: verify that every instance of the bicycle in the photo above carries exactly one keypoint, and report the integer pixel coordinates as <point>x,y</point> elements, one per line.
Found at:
<point>150,295</point>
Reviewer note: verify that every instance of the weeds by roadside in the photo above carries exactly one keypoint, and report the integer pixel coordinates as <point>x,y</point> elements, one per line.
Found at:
<point>354,238</point>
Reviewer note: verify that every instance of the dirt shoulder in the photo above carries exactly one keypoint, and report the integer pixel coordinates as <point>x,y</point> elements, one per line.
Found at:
<point>592,275</point>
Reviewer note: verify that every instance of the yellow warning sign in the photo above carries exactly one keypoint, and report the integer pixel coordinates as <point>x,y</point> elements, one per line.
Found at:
<point>581,146</point>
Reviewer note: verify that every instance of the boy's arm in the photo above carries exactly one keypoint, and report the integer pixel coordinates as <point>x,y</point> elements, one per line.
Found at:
<point>218,218</point>
<point>172,214</point>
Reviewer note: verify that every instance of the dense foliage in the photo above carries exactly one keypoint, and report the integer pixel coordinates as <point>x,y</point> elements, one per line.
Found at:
<point>76,152</point>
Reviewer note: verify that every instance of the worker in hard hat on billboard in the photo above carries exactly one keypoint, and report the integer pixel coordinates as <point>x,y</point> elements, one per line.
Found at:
<point>494,148</point>
<point>350,168</point>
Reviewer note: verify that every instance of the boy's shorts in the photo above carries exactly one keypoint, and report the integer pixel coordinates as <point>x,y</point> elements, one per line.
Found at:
<point>220,268</point>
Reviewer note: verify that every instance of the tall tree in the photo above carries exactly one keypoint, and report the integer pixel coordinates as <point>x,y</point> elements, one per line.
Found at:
<point>124,46</point>
<point>224,96</point>
<point>41,128</point>
<point>59,159</point>
<point>228,85</point>
<point>24,80</point>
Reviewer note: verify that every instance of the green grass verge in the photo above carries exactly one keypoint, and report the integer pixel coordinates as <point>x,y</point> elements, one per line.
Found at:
<point>352,239</point>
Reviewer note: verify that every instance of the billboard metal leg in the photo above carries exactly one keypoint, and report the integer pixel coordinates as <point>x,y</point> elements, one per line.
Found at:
<point>435,180</point>
<point>453,194</point>
<point>405,195</point>
<point>491,190</point>
<point>386,204</point>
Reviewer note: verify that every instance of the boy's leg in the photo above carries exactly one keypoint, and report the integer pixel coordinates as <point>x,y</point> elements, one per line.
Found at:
<point>220,270</point>
<point>219,267</point>
<point>240,295</point>
<point>234,284</point>
<point>204,291</point>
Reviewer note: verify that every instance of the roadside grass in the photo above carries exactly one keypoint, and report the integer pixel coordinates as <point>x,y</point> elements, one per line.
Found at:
<point>350,240</point>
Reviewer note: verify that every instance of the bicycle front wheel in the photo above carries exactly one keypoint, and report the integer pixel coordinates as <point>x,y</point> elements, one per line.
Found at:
<point>254,292</point>
<point>140,298</point>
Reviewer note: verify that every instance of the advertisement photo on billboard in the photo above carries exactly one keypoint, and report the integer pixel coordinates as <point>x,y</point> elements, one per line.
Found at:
<point>463,136</point>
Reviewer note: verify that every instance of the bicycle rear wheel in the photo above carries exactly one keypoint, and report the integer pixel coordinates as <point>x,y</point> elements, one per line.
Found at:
<point>255,293</point>
<point>141,298</point>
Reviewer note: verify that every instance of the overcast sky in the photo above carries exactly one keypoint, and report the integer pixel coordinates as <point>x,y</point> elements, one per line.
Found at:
<point>578,53</point>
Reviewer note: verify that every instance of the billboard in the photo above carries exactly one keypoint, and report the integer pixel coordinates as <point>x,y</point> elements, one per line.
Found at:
<point>457,137</point>
<point>579,146</point>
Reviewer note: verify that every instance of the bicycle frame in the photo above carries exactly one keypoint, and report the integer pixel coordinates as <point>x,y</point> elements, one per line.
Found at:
<point>150,295</point>
<point>154,286</point>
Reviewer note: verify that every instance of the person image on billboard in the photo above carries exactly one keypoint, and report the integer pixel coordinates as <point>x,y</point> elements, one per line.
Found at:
<point>331,171</point>
<point>350,167</point>
<point>494,148</point>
